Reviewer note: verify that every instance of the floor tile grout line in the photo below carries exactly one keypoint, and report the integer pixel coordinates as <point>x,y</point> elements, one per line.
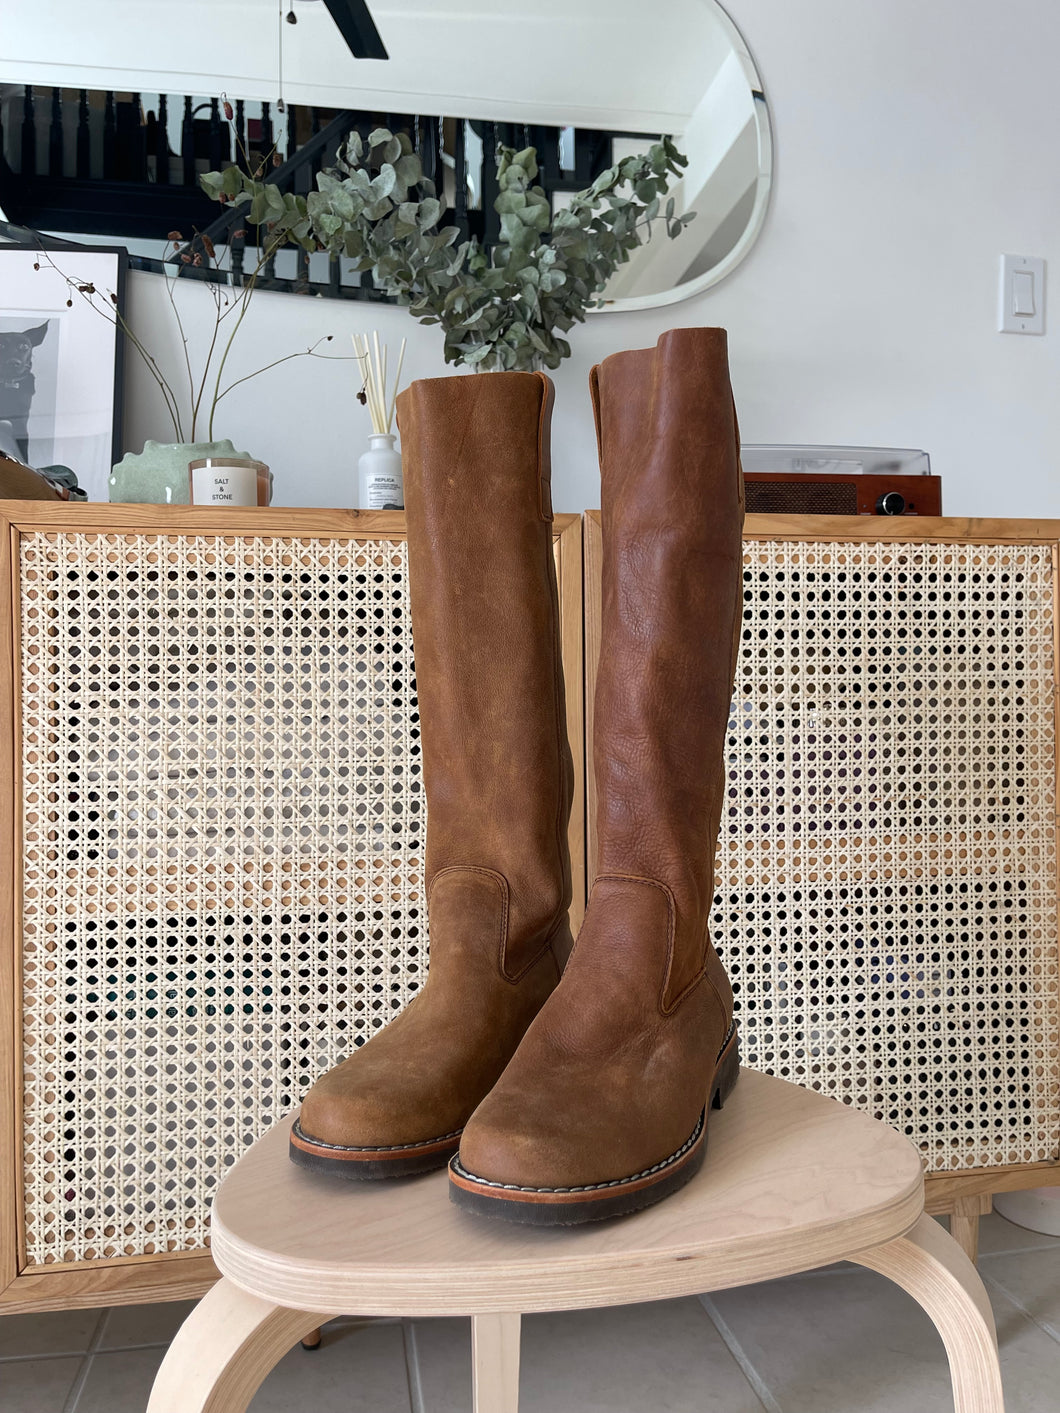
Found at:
<point>1017,1251</point>
<point>1046,1328</point>
<point>42,1354</point>
<point>135,1348</point>
<point>759,1386</point>
<point>73,1398</point>
<point>412,1366</point>
<point>81,1353</point>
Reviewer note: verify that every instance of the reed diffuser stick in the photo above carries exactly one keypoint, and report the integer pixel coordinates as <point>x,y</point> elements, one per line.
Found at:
<point>373,358</point>
<point>397,383</point>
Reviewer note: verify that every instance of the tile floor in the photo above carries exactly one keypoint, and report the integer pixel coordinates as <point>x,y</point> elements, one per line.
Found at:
<point>840,1340</point>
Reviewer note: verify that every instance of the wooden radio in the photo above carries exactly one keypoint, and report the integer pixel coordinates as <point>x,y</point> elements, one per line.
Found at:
<point>823,480</point>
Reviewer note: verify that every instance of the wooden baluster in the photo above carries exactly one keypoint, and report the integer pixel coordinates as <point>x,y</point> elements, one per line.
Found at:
<point>302,184</point>
<point>237,244</point>
<point>269,269</point>
<point>84,136</point>
<point>292,130</point>
<point>592,153</point>
<point>492,134</point>
<point>426,144</point>
<point>29,134</point>
<point>599,147</point>
<point>110,138</point>
<point>136,142</point>
<point>218,146</point>
<point>366,285</point>
<point>187,142</point>
<point>241,135</point>
<point>460,179</point>
<point>55,135</point>
<point>162,142</point>
<point>546,141</point>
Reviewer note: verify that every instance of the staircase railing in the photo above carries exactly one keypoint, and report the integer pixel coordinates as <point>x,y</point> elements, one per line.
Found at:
<point>116,165</point>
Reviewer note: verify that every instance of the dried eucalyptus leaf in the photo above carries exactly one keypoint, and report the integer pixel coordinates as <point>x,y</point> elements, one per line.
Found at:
<point>498,308</point>
<point>409,169</point>
<point>383,184</point>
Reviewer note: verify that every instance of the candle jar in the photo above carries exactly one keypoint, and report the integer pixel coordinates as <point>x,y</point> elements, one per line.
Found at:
<point>229,480</point>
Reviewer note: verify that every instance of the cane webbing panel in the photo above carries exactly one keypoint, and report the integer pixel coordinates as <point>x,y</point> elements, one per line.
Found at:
<point>222,823</point>
<point>886,895</point>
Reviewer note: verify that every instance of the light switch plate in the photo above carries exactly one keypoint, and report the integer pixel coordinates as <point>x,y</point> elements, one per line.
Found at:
<point>1022,290</point>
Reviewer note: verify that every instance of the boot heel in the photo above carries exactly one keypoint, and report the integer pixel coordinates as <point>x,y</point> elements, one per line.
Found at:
<point>727,1072</point>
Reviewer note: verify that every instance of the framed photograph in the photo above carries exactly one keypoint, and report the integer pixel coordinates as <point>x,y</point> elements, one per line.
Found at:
<point>61,359</point>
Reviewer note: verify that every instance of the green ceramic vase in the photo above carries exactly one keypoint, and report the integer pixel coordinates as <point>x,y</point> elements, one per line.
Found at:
<point>158,475</point>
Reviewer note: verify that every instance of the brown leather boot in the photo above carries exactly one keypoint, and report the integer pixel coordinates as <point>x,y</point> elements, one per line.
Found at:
<point>603,1109</point>
<point>497,776</point>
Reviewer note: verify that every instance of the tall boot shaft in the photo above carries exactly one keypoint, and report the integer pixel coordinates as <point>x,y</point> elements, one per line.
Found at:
<point>672,508</point>
<point>498,780</point>
<point>604,1106</point>
<point>497,767</point>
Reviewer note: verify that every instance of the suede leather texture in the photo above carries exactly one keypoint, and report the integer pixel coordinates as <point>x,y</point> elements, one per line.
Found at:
<point>497,768</point>
<point>611,1077</point>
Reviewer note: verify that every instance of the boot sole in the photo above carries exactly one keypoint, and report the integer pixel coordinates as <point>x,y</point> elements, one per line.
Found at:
<point>368,1164</point>
<point>572,1206</point>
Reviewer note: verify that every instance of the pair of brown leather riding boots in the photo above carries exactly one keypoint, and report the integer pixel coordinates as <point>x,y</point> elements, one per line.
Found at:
<point>565,1085</point>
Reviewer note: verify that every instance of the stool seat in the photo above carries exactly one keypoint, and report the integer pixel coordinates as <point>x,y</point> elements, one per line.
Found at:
<point>792,1181</point>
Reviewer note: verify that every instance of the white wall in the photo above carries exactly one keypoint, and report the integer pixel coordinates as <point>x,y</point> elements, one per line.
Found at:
<point>915,143</point>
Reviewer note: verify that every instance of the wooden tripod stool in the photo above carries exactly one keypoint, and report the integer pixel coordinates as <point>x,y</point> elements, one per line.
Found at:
<point>792,1181</point>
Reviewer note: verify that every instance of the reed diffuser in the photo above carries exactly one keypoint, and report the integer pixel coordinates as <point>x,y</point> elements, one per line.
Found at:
<point>380,484</point>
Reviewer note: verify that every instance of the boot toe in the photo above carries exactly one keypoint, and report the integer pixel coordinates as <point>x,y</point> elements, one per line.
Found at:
<point>503,1154</point>
<point>345,1117</point>
<point>538,1147</point>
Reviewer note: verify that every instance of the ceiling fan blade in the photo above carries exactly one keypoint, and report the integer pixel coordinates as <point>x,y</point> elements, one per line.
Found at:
<point>357,28</point>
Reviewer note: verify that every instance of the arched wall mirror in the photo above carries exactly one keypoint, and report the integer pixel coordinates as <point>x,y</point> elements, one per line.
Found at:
<point>586,81</point>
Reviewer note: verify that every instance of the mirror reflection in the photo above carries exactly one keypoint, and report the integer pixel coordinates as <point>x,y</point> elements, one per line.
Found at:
<point>585,82</point>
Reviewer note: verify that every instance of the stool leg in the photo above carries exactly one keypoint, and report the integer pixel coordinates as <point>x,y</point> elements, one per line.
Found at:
<point>964,1222</point>
<point>494,1362</point>
<point>929,1264</point>
<point>223,1351</point>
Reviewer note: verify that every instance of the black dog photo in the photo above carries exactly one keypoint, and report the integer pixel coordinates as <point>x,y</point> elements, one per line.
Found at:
<point>28,363</point>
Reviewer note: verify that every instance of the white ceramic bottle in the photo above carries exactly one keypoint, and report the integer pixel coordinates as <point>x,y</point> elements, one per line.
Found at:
<point>380,485</point>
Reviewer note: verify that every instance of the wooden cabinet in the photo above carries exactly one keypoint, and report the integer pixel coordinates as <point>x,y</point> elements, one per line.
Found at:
<point>212,822</point>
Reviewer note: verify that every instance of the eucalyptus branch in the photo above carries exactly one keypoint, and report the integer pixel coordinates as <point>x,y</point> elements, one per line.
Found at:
<point>501,308</point>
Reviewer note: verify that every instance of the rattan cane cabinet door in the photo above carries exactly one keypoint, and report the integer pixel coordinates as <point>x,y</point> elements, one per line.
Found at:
<point>886,888</point>
<point>218,874</point>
